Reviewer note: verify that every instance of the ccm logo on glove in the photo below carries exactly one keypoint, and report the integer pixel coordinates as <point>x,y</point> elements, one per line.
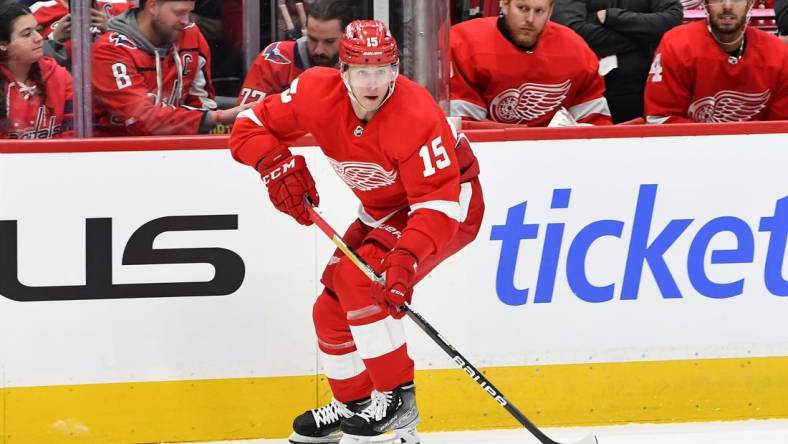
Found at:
<point>288,181</point>
<point>279,171</point>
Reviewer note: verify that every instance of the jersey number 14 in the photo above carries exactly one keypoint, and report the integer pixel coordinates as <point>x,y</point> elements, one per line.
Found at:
<point>656,68</point>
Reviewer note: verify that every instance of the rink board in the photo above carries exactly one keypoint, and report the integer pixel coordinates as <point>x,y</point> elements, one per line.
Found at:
<point>147,350</point>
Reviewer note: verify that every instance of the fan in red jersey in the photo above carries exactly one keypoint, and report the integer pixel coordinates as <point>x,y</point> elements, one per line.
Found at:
<point>280,62</point>
<point>55,18</point>
<point>720,70</point>
<point>151,74</point>
<point>521,68</point>
<point>420,202</point>
<point>35,92</point>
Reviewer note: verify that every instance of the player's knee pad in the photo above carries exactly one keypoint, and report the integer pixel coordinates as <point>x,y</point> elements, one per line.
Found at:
<point>329,319</point>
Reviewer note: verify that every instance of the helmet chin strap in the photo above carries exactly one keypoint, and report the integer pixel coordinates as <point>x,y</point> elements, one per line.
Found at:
<point>354,99</point>
<point>743,28</point>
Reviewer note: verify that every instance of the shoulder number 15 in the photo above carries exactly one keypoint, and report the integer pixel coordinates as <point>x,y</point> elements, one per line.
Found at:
<point>437,153</point>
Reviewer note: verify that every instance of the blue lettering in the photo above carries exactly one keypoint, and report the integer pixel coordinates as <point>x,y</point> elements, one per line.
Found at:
<point>775,254</point>
<point>554,234</point>
<point>741,255</point>
<point>640,251</point>
<point>510,236</point>
<point>646,247</point>
<point>576,260</point>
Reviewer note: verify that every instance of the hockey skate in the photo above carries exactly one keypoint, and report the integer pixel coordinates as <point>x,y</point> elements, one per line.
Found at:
<point>393,411</point>
<point>321,425</point>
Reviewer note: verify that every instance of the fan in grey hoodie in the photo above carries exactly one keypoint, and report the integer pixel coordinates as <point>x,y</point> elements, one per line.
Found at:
<point>133,39</point>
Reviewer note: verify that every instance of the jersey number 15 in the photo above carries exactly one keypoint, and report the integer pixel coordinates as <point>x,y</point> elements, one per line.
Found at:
<point>436,157</point>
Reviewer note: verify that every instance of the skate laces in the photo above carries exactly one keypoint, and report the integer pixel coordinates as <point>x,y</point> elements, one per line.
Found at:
<point>378,407</point>
<point>331,413</point>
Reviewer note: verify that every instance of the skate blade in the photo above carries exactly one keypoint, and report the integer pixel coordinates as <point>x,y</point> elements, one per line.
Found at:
<point>400,436</point>
<point>333,438</point>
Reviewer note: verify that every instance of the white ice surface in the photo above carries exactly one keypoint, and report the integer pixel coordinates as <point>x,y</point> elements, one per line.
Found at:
<point>746,432</point>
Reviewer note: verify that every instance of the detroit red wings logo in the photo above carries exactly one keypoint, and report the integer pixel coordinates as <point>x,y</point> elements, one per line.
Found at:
<point>273,54</point>
<point>729,106</point>
<point>528,102</point>
<point>363,176</point>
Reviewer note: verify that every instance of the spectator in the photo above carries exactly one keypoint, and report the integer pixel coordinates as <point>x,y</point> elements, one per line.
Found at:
<point>781,13</point>
<point>624,35</point>
<point>281,62</point>
<point>719,70</point>
<point>55,20</point>
<point>151,74</point>
<point>35,93</point>
<point>52,15</point>
<point>521,68</point>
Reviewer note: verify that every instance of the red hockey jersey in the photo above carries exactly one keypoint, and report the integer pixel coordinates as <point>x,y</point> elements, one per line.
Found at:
<point>273,70</point>
<point>693,80</point>
<point>493,79</point>
<point>139,93</point>
<point>403,157</point>
<point>27,117</point>
<point>50,11</point>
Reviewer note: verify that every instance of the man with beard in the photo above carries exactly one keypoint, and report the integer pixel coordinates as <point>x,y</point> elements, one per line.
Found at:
<point>718,71</point>
<point>521,68</point>
<point>281,62</point>
<point>151,74</point>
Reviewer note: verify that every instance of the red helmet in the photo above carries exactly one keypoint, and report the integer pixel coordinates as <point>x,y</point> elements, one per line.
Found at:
<point>368,42</point>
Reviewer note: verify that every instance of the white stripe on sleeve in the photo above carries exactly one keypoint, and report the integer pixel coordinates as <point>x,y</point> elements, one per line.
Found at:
<point>447,207</point>
<point>596,106</point>
<point>656,120</point>
<point>466,109</point>
<point>249,114</point>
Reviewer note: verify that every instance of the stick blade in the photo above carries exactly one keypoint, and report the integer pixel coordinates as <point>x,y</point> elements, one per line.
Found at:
<point>590,439</point>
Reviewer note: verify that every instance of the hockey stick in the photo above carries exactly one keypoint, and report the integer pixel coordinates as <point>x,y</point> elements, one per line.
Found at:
<point>291,31</point>
<point>458,358</point>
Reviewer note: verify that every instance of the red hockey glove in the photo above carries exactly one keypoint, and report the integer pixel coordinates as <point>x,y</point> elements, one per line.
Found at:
<point>288,181</point>
<point>399,268</point>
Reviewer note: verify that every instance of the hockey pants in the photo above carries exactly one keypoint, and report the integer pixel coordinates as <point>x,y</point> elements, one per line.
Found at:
<point>361,346</point>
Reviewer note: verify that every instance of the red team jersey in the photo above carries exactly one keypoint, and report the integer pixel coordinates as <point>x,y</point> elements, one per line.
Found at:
<point>135,95</point>
<point>48,12</point>
<point>271,72</point>
<point>693,80</point>
<point>494,79</point>
<point>404,157</point>
<point>27,117</point>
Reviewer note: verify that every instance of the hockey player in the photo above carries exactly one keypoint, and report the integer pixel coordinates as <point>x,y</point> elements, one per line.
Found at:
<point>151,74</point>
<point>281,62</point>
<point>420,202</point>
<point>35,92</point>
<point>719,70</point>
<point>522,68</point>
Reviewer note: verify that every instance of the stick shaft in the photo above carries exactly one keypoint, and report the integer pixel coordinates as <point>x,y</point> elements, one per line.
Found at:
<point>456,356</point>
<point>286,16</point>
